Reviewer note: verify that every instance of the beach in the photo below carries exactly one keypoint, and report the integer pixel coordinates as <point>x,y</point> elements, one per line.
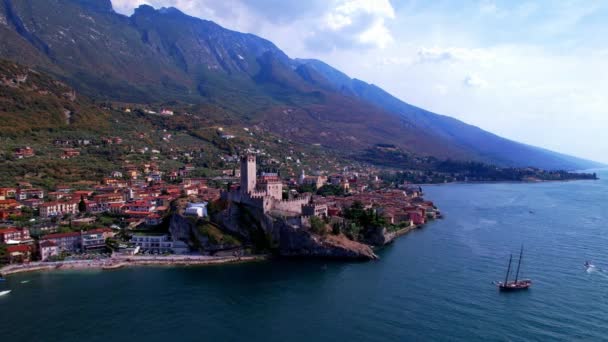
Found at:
<point>128,261</point>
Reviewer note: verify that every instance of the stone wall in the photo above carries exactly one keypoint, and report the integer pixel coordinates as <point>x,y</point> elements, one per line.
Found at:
<point>292,206</point>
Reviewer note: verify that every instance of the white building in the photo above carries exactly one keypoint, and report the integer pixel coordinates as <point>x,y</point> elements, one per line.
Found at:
<point>154,243</point>
<point>196,209</point>
<point>48,249</point>
<point>58,208</point>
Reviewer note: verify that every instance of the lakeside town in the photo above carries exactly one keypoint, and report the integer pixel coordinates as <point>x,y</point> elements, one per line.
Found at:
<point>140,215</point>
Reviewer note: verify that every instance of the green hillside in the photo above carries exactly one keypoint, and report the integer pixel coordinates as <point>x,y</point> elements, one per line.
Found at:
<point>163,55</point>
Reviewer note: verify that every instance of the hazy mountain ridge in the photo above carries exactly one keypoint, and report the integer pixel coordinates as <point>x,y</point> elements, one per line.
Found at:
<point>490,147</point>
<point>161,55</point>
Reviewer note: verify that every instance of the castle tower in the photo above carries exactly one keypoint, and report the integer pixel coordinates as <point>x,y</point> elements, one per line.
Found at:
<point>248,173</point>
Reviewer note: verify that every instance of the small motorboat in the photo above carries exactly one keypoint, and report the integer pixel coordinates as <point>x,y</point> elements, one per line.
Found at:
<point>517,284</point>
<point>3,293</point>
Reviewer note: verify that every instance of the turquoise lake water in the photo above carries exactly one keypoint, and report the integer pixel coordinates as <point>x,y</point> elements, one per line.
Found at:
<point>433,284</point>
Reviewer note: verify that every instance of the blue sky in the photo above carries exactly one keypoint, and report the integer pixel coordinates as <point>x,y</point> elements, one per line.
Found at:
<point>532,71</point>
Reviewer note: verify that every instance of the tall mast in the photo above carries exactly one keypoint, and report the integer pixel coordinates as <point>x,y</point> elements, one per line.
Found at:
<point>508,269</point>
<point>521,252</point>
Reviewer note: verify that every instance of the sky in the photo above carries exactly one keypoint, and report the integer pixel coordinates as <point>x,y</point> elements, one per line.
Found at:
<point>531,71</point>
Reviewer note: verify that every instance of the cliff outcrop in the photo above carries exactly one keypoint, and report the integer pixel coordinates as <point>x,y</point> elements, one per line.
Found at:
<point>288,237</point>
<point>200,235</point>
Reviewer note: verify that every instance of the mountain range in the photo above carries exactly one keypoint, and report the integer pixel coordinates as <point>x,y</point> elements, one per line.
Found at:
<point>162,55</point>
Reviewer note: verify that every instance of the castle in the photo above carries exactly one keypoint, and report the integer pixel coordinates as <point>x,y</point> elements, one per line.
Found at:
<point>265,192</point>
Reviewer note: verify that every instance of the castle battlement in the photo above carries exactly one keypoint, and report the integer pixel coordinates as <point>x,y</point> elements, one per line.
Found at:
<point>265,195</point>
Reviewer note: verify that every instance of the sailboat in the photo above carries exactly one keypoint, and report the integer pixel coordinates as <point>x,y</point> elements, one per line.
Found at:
<point>517,284</point>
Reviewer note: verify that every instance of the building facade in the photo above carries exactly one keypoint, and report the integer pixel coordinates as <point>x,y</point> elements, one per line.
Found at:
<point>58,208</point>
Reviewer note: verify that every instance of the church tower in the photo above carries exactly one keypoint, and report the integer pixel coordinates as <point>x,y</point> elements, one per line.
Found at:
<point>248,173</point>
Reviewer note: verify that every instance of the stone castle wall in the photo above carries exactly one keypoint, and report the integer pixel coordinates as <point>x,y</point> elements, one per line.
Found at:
<point>292,206</point>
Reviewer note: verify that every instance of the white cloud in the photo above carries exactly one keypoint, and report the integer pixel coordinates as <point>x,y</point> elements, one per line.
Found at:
<point>438,55</point>
<point>354,23</point>
<point>474,81</point>
<point>441,89</point>
<point>488,7</point>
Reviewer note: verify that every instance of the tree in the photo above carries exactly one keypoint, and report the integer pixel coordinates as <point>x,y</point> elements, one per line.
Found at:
<point>317,226</point>
<point>304,188</point>
<point>82,206</point>
<point>330,190</point>
<point>3,254</point>
<point>335,229</point>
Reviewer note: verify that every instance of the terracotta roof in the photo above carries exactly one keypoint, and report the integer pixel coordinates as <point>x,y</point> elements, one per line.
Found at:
<point>47,243</point>
<point>60,235</point>
<point>50,204</point>
<point>9,230</point>
<point>98,230</point>
<point>18,248</point>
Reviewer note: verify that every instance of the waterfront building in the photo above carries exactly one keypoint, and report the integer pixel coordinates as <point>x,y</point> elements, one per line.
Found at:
<point>48,249</point>
<point>19,253</point>
<point>95,238</point>
<point>155,243</point>
<point>65,242</point>
<point>14,235</point>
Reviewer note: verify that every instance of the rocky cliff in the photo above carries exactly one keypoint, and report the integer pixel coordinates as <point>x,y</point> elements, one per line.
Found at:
<point>288,238</point>
<point>200,235</point>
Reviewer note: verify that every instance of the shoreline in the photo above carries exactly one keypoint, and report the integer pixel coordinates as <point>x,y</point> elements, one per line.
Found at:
<point>506,182</point>
<point>127,261</point>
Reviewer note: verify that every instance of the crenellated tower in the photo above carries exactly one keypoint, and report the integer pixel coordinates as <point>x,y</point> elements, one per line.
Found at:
<point>248,173</point>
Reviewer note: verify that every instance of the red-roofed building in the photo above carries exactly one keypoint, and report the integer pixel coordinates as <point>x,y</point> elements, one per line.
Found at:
<point>14,234</point>
<point>116,208</point>
<point>32,202</point>
<point>59,195</point>
<point>417,217</point>
<point>114,197</point>
<point>69,153</point>
<point>48,249</point>
<point>6,214</point>
<point>19,253</point>
<point>23,194</point>
<point>9,204</point>
<point>95,238</point>
<point>68,242</point>
<point>83,193</point>
<point>58,208</point>
<point>63,188</point>
<point>141,206</point>
<point>6,193</point>
<point>97,207</point>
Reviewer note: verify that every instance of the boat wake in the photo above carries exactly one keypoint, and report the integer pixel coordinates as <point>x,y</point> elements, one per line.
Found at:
<point>592,269</point>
